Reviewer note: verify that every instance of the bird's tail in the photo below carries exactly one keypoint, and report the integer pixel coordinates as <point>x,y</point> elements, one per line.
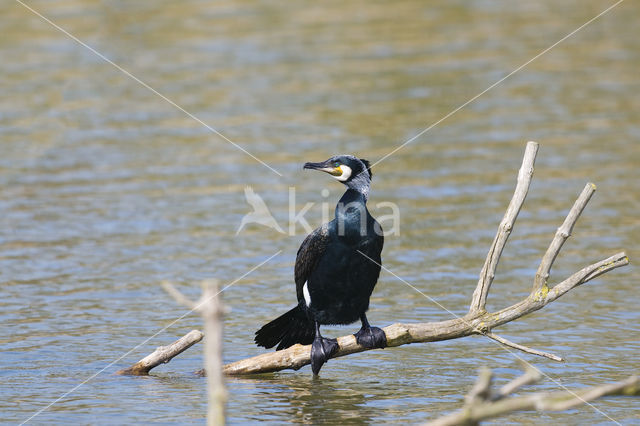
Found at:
<point>286,330</point>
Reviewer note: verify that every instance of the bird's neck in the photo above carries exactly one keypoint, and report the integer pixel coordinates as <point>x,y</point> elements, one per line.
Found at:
<point>351,215</point>
<point>361,184</point>
<point>351,196</point>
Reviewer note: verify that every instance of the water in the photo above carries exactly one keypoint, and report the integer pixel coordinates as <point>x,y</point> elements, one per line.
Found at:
<point>107,190</point>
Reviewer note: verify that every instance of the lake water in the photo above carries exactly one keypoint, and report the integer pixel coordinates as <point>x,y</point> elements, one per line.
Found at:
<point>107,189</point>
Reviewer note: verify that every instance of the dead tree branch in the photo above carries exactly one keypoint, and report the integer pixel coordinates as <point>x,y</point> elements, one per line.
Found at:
<point>482,404</point>
<point>488,271</point>
<point>561,236</point>
<point>163,354</point>
<point>211,308</point>
<point>522,347</point>
<point>477,321</point>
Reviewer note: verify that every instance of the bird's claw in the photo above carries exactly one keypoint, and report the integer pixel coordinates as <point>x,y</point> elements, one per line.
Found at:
<point>321,350</point>
<point>371,337</point>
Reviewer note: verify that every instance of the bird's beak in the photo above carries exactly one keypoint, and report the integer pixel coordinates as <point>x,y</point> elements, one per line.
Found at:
<point>324,167</point>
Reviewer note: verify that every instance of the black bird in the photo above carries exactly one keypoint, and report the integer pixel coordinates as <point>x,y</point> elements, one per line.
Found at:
<point>336,269</point>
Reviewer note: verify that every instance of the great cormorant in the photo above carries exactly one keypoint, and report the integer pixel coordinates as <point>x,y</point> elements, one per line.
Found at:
<point>337,267</point>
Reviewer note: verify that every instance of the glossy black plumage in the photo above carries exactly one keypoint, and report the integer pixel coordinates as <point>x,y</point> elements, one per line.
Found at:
<point>339,263</point>
<point>338,273</point>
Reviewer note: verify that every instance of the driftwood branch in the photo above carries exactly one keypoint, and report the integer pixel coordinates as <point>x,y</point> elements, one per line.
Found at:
<point>163,354</point>
<point>482,404</point>
<point>477,321</point>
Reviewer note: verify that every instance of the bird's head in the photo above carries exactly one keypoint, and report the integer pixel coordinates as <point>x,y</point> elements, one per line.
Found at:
<point>352,171</point>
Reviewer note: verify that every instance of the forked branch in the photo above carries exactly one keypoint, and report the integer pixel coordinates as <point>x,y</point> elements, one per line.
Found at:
<point>482,403</point>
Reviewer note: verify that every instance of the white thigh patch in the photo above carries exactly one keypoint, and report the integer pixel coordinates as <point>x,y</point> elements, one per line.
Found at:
<point>307,296</point>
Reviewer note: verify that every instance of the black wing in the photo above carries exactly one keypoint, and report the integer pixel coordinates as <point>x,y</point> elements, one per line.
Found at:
<point>309,253</point>
<point>371,248</point>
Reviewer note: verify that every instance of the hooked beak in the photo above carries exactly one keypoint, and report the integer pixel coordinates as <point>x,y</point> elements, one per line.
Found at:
<point>324,167</point>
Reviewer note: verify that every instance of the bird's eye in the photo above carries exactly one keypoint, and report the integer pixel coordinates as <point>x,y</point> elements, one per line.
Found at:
<point>336,164</point>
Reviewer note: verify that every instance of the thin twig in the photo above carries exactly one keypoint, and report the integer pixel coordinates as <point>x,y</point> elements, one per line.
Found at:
<point>481,391</point>
<point>178,296</point>
<point>560,237</point>
<point>531,375</point>
<point>479,300</point>
<point>586,274</point>
<point>522,347</point>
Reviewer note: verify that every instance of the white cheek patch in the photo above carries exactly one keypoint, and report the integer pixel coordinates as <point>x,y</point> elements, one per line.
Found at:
<point>346,173</point>
<point>307,296</point>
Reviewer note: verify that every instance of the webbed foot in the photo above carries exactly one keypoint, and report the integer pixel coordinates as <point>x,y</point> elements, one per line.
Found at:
<point>371,337</point>
<point>321,350</point>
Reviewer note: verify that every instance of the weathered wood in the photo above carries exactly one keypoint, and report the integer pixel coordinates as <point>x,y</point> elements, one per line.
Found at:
<point>525,174</point>
<point>298,356</point>
<point>481,404</point>
<point>561,236</point>
<point>212,310</point>
<point>531,375</point>
<point>523,348</point>
<point>163,354</point>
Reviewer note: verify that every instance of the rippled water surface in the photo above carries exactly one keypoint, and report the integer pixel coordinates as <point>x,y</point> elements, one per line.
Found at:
<point>107,189</point>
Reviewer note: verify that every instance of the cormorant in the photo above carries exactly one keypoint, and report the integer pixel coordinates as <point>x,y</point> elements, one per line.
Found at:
<point>334,271</point>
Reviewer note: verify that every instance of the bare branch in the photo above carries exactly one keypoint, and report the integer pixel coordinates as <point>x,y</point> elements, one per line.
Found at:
<point>542,298</point>
<point>398,334</point>
<point>478,410</point>
<point>163,354</point>
<point>531,375</point>
<point>212,311</point>
<point>630,386</point>
<point>488,271</point>
<point>561,236</point>
<point>481,391</point>
<point>586,274</point>
<point>178,296</point>
<point>522,347</point>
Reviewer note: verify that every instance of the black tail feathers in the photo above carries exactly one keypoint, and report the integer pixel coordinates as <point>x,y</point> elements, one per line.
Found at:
<point>286,330</point>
